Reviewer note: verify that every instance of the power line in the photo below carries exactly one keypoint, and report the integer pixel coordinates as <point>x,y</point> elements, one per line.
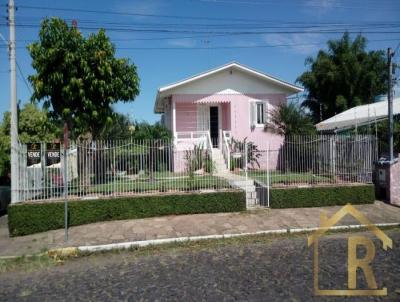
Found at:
<point>64,9</point>
<point>109,12</point>
<point>265,24</point>
<point>396,53</point>
<point>236,47</point>
<point>293,3</point>
<point>168,31</point>
<point>23,77</point>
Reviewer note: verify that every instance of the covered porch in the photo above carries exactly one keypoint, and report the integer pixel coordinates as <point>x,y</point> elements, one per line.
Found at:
<point>201,118</point>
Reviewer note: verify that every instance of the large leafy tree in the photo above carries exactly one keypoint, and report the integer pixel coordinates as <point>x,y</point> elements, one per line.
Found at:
<point>34,126</point>
<point>344,76</point>
<point>79,78</point>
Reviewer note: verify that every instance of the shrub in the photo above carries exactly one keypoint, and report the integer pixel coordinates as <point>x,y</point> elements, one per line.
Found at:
<point>321,196</point>
<point>197,159</point>
<point>253,153</point>
<point>29,218</point>
<point>209,166</point>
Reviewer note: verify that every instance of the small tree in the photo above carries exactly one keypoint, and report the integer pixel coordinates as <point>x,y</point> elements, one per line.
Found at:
<point>34,126</point>
<point>144,130</point>
<point>290,120</point>
<point>79,78</point>
<point>120,128</point>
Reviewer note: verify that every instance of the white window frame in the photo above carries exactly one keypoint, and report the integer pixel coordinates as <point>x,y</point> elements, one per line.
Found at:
<point>255,103</point>
<point>262,112</point>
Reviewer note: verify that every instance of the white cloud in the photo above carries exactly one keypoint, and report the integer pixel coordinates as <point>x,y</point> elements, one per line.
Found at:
<point>319,7</point>
<point>182,43</point>
<point>141,7</point>
<point>305,44</point>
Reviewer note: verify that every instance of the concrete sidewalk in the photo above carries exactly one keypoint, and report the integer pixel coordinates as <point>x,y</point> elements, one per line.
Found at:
<point>184,225</point>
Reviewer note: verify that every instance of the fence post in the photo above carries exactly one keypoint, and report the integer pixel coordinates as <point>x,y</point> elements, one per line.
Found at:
<point>245,171</point>
<point>268,176</point>
<point>334,157</point>
<point>65,181</point>
<point>114,168</point>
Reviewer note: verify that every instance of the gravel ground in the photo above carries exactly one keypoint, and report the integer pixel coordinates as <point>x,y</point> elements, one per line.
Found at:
<point>249,270</point>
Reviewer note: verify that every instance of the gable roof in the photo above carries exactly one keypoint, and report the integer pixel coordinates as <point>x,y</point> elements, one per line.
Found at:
<point>163,91</point>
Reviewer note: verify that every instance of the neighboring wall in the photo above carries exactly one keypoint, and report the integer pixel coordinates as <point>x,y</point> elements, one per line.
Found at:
<point>387,182</point>
<point>395,184</point>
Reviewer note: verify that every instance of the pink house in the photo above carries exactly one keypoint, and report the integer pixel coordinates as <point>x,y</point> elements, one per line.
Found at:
<point>229,101</point>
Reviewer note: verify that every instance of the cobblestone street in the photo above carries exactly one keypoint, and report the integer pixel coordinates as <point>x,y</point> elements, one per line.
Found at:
<point>259,269</point>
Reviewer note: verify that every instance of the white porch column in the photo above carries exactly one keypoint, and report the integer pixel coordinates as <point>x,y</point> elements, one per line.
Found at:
<point>173,119</point>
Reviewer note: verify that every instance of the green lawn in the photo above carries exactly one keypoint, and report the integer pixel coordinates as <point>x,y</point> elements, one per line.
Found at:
<point>277,177</point>
<point>160,184</point>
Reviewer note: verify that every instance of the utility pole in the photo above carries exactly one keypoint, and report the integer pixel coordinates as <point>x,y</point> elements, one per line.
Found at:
<point>390,105</point>
<point>13,104</point>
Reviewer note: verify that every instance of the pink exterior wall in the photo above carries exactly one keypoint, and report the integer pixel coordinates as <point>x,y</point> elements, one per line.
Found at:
<point>240,120</point>
<point>235,117</point>
<point>186,116</point>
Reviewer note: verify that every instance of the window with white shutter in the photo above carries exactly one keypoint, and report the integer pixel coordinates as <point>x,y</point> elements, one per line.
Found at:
<point>259,113</point>
<point>253,115</point>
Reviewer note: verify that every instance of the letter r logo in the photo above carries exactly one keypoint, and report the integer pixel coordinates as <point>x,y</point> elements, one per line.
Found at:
<point>363,263</point>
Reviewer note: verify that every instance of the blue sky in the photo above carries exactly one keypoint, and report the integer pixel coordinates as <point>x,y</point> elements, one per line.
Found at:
<point>192,52</point>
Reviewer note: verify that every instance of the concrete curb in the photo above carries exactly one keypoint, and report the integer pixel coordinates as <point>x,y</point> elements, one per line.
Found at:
<point>144,243</point>
<point>73,251</point>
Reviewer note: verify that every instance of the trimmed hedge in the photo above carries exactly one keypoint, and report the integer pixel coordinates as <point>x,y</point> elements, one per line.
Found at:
<point>321,196</point>
<point>29,218</point>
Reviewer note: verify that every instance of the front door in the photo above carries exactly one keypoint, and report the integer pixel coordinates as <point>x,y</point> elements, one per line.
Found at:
<point>214,126</point>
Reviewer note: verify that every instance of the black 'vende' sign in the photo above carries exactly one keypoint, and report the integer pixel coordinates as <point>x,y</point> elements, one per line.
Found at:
<point>52,154</point>
<point>33,154</point>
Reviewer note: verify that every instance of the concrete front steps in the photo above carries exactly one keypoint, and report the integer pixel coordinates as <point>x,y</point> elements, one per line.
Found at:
<point>236,181</point>
<point>247,186</point>
<point>218,158</point>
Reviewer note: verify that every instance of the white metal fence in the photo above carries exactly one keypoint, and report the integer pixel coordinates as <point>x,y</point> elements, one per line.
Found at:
<point>94,169</point>
<point>117,168</point>
<point>318,160</point>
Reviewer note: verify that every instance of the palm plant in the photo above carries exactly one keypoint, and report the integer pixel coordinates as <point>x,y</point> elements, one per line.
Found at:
<point>290,120</point>
<point>253,153</point>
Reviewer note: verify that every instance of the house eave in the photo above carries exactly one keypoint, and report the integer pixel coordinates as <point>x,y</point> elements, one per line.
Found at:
<point>163,91</point>
<point>294,88</point>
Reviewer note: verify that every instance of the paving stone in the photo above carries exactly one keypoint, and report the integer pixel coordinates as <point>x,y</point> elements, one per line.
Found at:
<point>185,225</point>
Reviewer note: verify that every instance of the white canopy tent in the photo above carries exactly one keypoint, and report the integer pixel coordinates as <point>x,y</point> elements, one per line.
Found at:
<point>359,116</point>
